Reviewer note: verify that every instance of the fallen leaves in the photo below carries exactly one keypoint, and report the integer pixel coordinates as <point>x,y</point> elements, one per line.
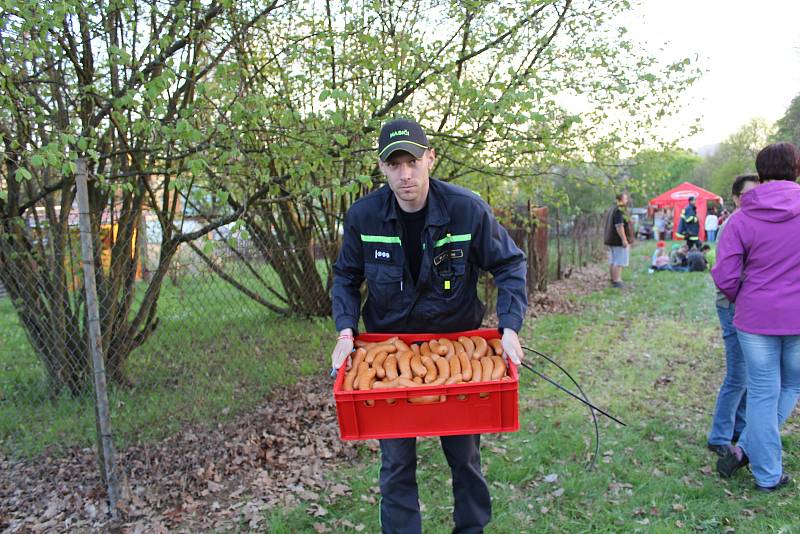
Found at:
<point>663,380</point>
<point>560,294</point>
<point>690,482</point>
<point>617,488</point>
<point>349,524</point>
<point>317,510</point>
<point>277,455</point>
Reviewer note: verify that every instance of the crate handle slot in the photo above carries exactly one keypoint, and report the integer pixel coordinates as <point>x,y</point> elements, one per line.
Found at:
<point>441,400</point>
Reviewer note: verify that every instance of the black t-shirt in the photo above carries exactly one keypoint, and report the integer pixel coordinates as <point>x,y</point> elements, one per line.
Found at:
<point>618,217</point>
<point>413,224</point>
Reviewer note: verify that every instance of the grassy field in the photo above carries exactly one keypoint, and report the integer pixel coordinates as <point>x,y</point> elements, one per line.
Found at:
<point>652,355</point>
<point>212,356</point>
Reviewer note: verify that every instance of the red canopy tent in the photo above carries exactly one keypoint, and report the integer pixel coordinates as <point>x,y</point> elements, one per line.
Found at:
<point>678,197</point>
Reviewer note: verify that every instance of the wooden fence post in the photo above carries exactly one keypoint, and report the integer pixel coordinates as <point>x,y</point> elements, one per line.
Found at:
<point>105,441</point>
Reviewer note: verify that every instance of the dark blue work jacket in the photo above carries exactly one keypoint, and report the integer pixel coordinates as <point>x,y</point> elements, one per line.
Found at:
<point>460,237</point>
<point>689,226</point>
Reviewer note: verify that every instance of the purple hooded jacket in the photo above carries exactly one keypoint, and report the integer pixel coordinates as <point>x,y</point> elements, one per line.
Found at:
<point>758,260</point>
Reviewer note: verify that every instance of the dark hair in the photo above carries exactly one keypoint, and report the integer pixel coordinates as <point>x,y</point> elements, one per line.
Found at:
<point>739,181</point>
<point>705,247</point>
<point>778,161</point>
<point>620,195</point>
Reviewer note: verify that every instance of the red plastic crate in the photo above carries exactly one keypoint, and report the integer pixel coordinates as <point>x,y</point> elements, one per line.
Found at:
<point>496,411</point>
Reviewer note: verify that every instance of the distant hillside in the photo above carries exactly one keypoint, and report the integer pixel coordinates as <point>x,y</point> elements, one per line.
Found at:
<point>705,151</point>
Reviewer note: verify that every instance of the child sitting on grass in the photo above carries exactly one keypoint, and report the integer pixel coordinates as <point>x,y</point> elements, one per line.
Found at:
<point>660,259</point>
<point>677,259</point>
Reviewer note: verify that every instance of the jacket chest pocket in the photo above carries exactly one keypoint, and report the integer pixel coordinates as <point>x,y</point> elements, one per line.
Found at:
<point>383,281</point>
<point>449,278</point>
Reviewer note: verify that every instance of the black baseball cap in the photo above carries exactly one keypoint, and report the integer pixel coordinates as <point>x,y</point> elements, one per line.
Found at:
<point>402,134</point>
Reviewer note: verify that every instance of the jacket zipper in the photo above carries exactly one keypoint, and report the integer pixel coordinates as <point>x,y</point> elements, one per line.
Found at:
<point>400,233</point>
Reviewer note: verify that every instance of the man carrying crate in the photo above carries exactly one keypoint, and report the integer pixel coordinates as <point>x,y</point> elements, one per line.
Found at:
<point>420,244</point>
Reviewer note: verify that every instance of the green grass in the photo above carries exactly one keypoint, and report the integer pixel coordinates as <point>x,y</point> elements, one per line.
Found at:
<point>650,354</point>
<point>214,354</point>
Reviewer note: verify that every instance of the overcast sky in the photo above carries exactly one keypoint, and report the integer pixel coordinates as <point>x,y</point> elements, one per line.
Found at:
<point>751,51</point>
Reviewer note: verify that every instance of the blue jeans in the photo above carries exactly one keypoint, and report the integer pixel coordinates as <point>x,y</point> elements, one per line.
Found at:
<point>731,400</point>
<point>679,268</point>
<point>711,235</point>
<point>773,385</point>
<point>400,512</point>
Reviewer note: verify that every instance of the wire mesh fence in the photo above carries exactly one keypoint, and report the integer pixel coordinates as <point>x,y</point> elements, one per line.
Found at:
<point>573,241</point>
<point>205,355</point>
<point>192,340</point>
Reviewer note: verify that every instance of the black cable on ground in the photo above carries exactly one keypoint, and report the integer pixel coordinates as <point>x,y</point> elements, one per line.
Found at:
<point>583,398</point>
<point>593,460</point>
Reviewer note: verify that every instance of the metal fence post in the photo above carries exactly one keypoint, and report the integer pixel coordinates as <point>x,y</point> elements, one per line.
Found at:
<point>105,439</point>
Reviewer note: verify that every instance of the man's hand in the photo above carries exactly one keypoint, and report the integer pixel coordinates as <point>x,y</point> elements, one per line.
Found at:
<point>511,347</point>
<point>343,348</point>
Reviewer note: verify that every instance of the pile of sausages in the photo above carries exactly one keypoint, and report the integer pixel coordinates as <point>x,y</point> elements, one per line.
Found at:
<point>394,364</point>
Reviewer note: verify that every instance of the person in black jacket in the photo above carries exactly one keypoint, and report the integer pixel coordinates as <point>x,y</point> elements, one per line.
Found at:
<point>420,243</point>
<point>696,259</point>
<point>689,227</point>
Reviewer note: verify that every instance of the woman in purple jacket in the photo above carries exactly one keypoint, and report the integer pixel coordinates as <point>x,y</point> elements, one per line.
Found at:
<point>758,268</point>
